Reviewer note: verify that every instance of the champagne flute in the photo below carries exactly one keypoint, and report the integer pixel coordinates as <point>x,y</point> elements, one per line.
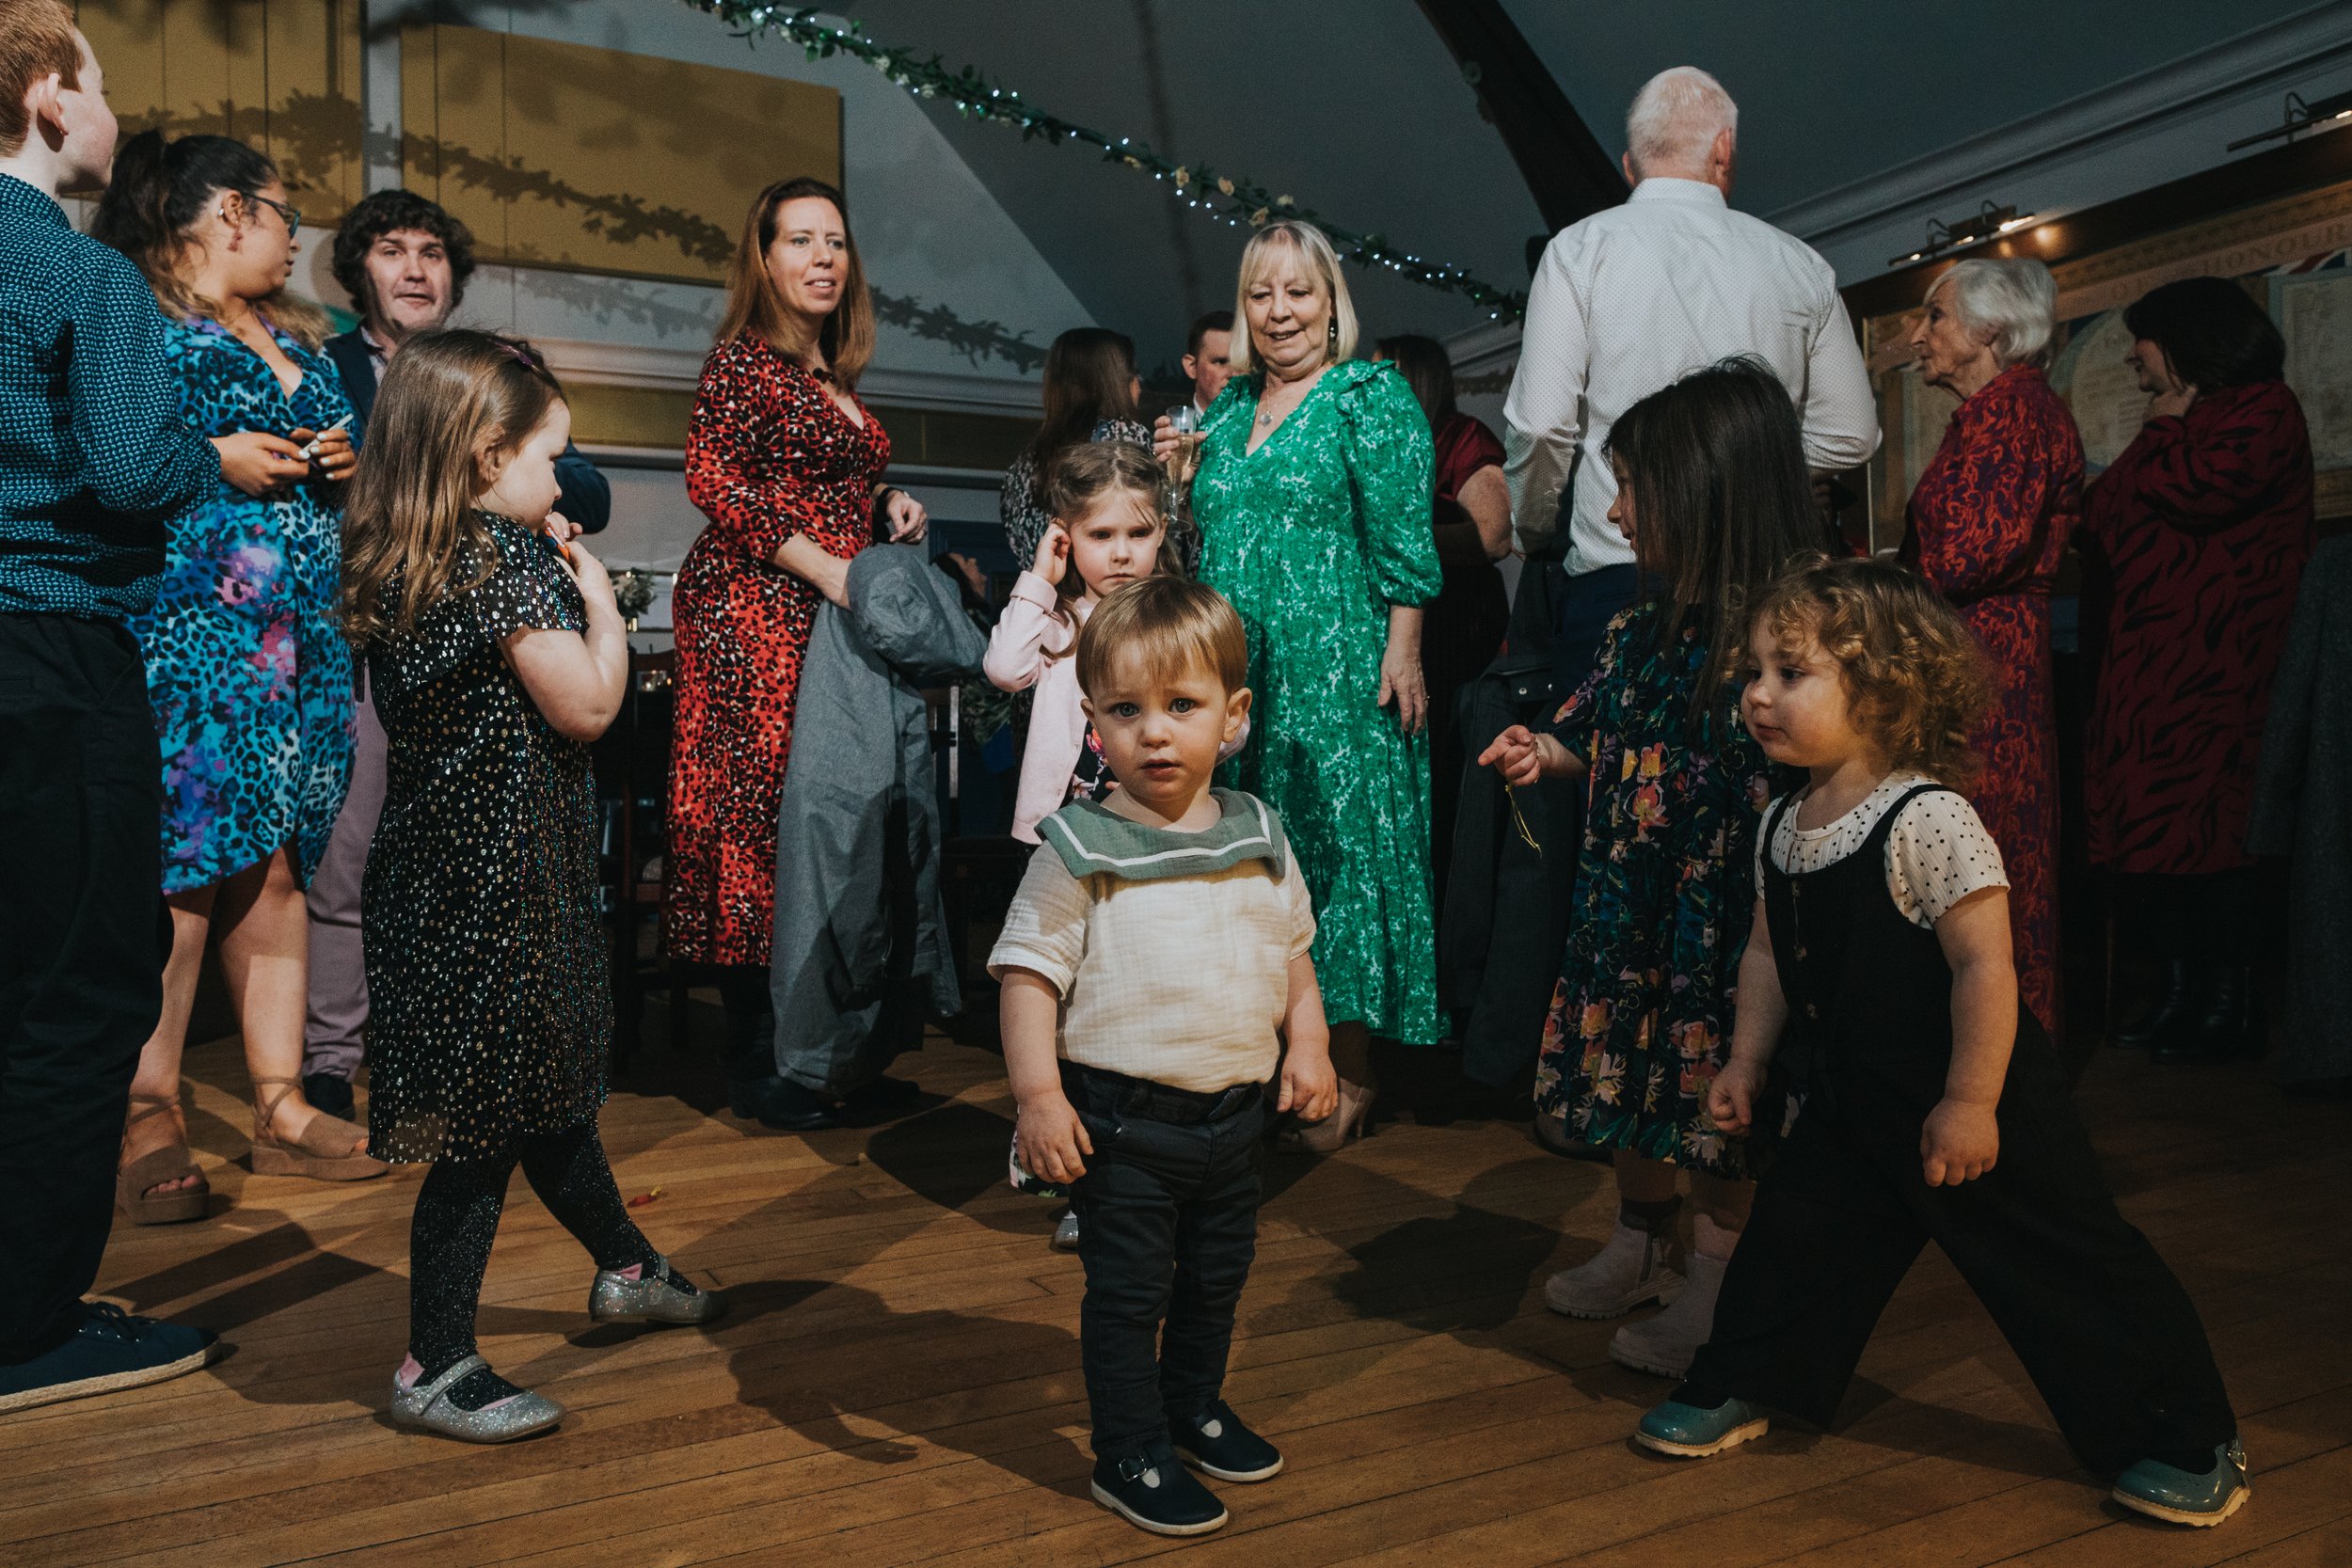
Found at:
<point>1185,420</point>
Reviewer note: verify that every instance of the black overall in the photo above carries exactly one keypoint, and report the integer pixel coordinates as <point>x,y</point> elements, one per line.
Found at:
<point>2104,1329</point>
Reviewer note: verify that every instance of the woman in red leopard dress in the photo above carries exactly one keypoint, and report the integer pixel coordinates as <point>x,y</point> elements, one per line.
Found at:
<point>786,463</point>
<point>1988,521</point>
<point>2196,536</point>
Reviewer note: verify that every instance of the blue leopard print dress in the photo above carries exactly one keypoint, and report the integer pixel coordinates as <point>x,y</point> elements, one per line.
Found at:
<point>246,666</point>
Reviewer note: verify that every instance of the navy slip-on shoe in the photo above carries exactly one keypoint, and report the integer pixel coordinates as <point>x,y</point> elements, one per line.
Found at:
<point>2178,1497</point>
<point>108,1350</point>
<point>1687,1431</point>
<point>1217,1443</point>
<point>1152,1491</point>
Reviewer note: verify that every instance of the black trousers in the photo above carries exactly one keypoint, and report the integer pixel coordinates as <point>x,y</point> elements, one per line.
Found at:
<point>2103,1327</point>
<point>1168,1226</point>
<point>83,937</point>
<point>1583,606</point>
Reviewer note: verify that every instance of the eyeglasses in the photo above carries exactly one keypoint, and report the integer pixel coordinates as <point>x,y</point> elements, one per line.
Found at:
<point>293,215</point>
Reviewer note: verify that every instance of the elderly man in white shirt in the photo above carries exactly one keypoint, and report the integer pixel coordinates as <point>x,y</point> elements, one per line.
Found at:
<point>1630,298</point>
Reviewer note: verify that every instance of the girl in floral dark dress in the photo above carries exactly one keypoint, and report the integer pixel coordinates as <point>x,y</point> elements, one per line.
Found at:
<point>786,463</point>
<point>494,654</point>
<point>1712,493</point>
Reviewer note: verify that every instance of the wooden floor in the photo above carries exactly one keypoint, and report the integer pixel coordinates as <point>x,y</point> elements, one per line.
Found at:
<point>898,1383</point>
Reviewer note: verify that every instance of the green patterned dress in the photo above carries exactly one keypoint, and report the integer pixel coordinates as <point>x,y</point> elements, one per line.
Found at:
<point>1312,536</point>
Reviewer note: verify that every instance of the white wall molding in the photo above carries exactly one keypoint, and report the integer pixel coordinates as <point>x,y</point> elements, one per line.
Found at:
<point>2240,81</point>
<point>599,364</point>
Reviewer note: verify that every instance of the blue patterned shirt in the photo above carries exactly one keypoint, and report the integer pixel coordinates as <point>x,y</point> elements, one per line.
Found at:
<point>94,456</point>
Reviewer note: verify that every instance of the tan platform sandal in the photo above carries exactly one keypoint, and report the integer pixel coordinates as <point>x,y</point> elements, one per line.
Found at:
<point>157,1166</point>
<point>327,1150</point>
<point>1352,1119</point>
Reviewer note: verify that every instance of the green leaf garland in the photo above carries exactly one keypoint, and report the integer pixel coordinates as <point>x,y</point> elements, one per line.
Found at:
<point>1232,199</point>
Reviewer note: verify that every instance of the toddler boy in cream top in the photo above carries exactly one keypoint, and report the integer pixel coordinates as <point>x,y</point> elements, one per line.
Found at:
<point>1155,977</point>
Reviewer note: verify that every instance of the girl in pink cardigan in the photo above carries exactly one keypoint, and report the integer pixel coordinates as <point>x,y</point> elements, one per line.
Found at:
<point>1107,530</point>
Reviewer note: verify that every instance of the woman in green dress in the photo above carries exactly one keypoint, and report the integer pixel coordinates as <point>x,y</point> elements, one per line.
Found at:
<point>1312,499</point>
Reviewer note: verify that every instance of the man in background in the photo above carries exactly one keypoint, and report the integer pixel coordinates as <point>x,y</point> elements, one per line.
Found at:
<point>1209,357</point>
<point>1630,298</point>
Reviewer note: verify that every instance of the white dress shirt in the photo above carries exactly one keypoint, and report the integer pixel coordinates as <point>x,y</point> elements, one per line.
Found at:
<point>1631,299</point>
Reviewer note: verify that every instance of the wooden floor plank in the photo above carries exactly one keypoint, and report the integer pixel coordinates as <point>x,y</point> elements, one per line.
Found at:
<point>900,1383</point>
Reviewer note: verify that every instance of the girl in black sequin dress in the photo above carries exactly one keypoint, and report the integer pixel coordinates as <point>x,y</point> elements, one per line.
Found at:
<point>496,653</point>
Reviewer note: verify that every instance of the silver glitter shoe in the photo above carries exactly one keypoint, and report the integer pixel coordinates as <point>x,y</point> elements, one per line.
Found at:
<point>650,1299</point>
<point>428,1408</point>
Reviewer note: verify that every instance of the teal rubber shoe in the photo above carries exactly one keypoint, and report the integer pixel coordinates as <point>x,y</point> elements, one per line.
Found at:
<point>1687,1431</point>
<point>2164,1492</point>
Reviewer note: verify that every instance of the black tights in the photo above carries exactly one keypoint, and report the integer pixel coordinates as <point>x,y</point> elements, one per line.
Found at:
<point>458,1216</point>
<point>744,991</point>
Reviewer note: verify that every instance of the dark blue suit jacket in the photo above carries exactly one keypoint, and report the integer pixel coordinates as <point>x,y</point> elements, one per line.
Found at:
<point>587,494</point>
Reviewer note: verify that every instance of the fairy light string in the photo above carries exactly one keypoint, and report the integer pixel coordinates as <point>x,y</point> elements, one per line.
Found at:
<point>1235,200</point>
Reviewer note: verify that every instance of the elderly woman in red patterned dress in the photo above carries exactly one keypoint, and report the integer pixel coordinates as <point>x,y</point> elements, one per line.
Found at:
<point>1988,521</point>
<point>786,463</point>
<point>2198,532</point>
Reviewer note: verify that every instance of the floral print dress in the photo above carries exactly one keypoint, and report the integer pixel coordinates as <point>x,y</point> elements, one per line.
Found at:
<point>1312,537</point>
<point>1664,895</point>
<point>246,667</point>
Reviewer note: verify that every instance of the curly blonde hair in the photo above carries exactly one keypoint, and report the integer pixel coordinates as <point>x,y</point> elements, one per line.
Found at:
<point>1914,672</point>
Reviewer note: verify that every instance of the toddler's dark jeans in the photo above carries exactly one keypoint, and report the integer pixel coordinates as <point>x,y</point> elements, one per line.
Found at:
<point>1168,1225</point>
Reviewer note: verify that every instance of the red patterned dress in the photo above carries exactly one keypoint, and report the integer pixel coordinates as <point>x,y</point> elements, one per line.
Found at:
<point>769,456</point>
<point>1987,524</point>
<point>2200,530</point>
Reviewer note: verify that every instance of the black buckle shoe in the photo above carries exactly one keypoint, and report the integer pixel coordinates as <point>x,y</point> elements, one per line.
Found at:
<point>1152,1491</point>
<point>1216,1443</point>
<point>782,1104</point>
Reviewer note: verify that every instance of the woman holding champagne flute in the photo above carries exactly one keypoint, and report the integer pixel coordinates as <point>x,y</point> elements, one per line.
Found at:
<point>1313,495</point>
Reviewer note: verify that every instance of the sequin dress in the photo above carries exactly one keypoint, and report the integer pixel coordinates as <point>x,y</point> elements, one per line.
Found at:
<point>491,1010</point>
<point>1311,537</point>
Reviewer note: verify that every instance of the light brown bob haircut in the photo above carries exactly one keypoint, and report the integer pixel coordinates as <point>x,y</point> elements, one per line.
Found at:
<point>1916,678</point>
<point>1173,626</point>
<point>37,40</point>
<point>846,337</point>
<point>1079,479</point>
<point>450,402</point>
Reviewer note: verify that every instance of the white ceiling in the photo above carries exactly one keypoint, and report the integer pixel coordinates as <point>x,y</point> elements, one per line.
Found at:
<point>1356,107</point>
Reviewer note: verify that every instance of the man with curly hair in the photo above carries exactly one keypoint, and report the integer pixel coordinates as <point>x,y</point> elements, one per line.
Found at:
<point>404,262</point>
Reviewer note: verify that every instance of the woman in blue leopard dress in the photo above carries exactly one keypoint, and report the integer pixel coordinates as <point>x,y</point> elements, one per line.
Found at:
<point>249,676</point>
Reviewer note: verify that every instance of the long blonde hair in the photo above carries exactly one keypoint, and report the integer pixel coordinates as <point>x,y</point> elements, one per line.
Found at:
<point>1322,263</point>
<point>449,400</point>
<point>847,338</point>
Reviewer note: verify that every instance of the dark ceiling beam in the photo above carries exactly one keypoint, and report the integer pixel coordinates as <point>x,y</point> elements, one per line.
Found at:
<point>1568,172</point>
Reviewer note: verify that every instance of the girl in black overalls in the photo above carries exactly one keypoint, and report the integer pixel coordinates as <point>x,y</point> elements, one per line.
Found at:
<point>1918,1099</point>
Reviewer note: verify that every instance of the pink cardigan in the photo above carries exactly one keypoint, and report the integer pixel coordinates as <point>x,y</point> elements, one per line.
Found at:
<point>1031,647</point>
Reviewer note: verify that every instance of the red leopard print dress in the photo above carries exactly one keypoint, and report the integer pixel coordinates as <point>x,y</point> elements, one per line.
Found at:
<point>1989,520</point>
<point>769,454</point>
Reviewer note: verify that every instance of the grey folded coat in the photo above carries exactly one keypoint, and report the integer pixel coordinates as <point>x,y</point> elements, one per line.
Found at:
<point>861,944</point>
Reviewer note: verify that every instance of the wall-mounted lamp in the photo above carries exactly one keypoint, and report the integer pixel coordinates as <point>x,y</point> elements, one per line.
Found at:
<point>2300,117</point>
<point>1990,223</point>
